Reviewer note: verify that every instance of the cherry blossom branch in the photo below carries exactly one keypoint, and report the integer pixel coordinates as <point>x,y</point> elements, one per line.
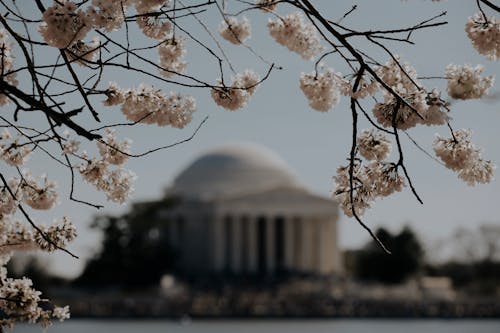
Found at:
<point>30,221</point>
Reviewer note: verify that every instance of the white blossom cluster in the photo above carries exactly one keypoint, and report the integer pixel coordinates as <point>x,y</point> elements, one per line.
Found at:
<point>373,145</point>
<point>152,26</point>
<point>19,301</point>
<point>147,6</point>
<point>8,203</point>
<point>465,82</point>
<point>436,113</point>
<point>238,93</point>
<point>404,82</point>
<point>366,87</point>
<point>55,236</point>
<point>320,89</point>
<point>323,90</point>
<point>484,35</point>
<point>460,155</point>
<point>6,64</point>
<point>117,184</point>
<point>147,105</point>
<point>377,179</point>
<point>64,24</point>
<point>111,150</point>
<point>234,31</point>
<point>171,54</point>
<point>12,151</point>
<point>294,33</point>
<point>419,106</point>
<point>106,14</point>
<point>38,196</point>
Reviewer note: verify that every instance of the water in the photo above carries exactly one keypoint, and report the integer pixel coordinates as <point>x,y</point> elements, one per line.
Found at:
<point>270,326</point>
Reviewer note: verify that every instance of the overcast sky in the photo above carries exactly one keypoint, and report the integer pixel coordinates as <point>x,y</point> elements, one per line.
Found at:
<point>315,144</point>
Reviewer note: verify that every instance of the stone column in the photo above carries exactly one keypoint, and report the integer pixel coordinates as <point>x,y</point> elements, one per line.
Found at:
<point>337,266</point>
<point>236,250</point>
<point>289,243</point>
<point>316,246</point>
<point>330,240</point>
<point>252,245</point>
<point>307,244</point>
<point>219,244</point>
<point>270,255</point>
<point>324,252</point>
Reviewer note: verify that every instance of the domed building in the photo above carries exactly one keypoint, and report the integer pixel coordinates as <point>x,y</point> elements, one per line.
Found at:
<point>243,211</point>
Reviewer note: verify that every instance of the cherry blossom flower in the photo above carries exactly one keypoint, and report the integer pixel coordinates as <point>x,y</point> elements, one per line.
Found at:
<point>108,14</point>
<point>12,151</point>
<point>436,113</point>
<point>384,177</point>
<point>238,93</point>
<point>153,27</point>
<point>235,31</point>
<point>465,82</point>
<point>118,185</point>
<point>8,203</point>
<point>171,53</point>
<point>377,179</point>
<point>61,313</point>
<point>115,95</point>
<point>151,106</point>
<point>320,89</point>
<point>373,145</point>
<point>64,24</point>
<point>405,117</point>
<point>111,150</point>
<point>459,154</point>
<point>361,192</point>
<point>6,64</point>
<point>298,36</point>
<point>59,234</point>
<point>145,6</point>
<point>38,196</point>
<point>93,170</point>
<point>402,79</point>
<point>366,87</point>
<point>484,35</point>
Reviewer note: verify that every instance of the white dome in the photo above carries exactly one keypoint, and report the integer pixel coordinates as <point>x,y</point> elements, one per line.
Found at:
<point>234,170</point>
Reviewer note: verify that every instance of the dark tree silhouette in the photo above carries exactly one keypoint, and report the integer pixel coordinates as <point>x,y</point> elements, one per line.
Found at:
<point>135,251</point>
<point>406,260</point>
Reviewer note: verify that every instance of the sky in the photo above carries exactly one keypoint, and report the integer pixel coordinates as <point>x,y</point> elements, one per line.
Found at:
<point>314,144</point>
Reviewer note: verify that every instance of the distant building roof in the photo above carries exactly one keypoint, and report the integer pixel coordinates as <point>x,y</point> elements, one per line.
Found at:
<point>234,170</point>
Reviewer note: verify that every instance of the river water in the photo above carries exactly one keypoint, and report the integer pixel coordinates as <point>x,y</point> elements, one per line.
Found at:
<point>270,326</point>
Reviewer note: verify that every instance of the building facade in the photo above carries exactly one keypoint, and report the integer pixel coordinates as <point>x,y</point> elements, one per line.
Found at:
<point>242,211</point>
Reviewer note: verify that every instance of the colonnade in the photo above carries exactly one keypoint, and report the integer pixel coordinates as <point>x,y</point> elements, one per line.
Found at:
<point>273,244</point>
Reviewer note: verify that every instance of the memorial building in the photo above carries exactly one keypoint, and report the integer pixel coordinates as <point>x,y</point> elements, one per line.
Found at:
<point>243,211</point>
